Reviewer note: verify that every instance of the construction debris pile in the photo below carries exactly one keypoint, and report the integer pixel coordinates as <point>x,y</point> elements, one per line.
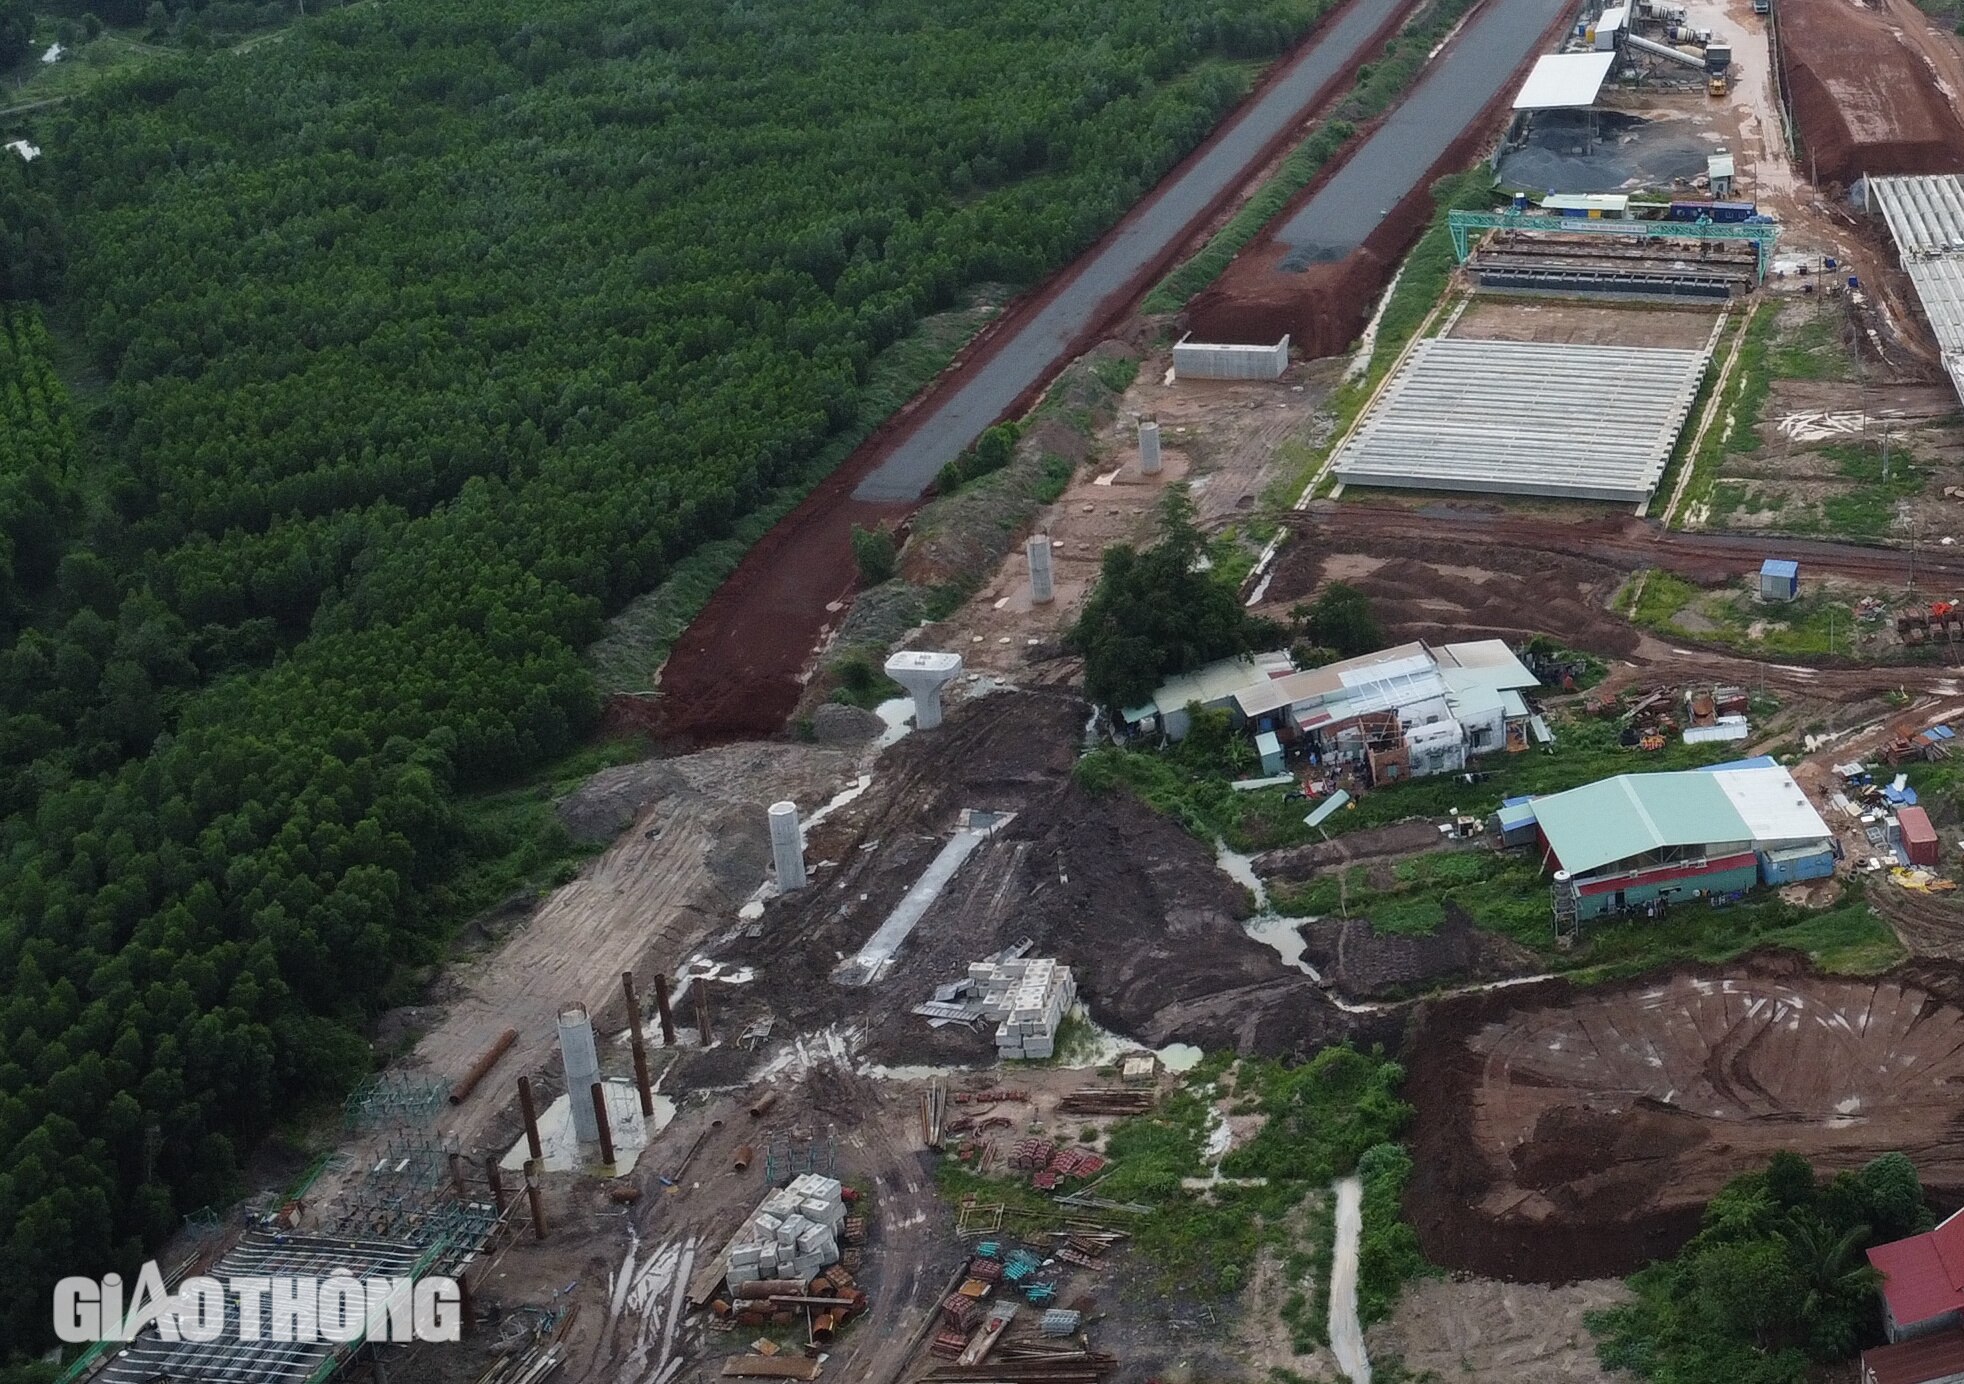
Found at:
<point>794,1233</point>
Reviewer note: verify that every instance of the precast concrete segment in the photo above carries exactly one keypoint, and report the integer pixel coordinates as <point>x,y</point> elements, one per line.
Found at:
<point>1021,362</point>
<point>1346,209</point>
<point>871,961</point>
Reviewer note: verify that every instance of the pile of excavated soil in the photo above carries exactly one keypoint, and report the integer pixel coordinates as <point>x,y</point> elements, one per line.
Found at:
<point>1462,591</point>
<point>1865,100</point>
<point>1120,893</point>
<point>1566,1133</point>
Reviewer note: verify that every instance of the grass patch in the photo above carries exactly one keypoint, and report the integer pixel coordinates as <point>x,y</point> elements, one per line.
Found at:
<point>1814,349</point>
<point>1818,621</point>
<point>1735,427</point>
<point>1190,783</point>
<point>511,841</point>
<point>1868,508</point>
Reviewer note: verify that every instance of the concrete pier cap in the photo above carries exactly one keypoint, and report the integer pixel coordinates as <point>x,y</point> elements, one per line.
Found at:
<point>924,673</point>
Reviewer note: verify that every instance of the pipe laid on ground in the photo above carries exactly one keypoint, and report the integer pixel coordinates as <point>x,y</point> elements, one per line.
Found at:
<point>482,1067</point>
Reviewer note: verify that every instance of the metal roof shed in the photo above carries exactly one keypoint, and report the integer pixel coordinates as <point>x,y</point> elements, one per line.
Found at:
<point>1564,81</point>
<point>1631,815</point>
<point>1779,579</point>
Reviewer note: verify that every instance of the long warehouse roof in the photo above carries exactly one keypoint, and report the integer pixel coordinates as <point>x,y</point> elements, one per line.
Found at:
<point>1926,220</point>
<point>1564,81</point>
<point>1615,819</point>
<point>1526,418</point>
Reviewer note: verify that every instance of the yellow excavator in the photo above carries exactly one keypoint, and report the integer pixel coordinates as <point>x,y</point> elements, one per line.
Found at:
<point>1715,86</point>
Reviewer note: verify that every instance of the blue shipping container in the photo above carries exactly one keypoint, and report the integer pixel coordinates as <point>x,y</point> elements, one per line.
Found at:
<point>1723,212</point>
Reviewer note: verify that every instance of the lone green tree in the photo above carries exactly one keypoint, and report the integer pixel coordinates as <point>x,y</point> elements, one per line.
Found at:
<point>1160,611</point>
<point>1340,618</point>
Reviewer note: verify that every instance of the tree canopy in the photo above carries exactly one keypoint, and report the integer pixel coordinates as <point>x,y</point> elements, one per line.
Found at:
<point>1160,611</point>
<point>415,344</point>
<point>1774,1283</point>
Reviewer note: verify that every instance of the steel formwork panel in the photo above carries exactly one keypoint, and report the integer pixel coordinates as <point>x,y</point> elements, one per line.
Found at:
<point>1527,418</point>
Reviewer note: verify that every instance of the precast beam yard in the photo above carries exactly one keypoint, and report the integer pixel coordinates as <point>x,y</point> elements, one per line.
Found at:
<point>1764,234</point>
<point>1926,220</point>
<point>1527,418</point>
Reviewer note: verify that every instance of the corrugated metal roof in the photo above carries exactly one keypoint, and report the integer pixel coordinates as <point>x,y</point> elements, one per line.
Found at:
<point>1614,819</point>
<point>1779,567</point>
<point>1773,807</point>
<point>1260,698</point>
<point>1923,1276</point>
<point>1564,81</point>
<point>1917,1361</point>
<point>1526,418</point>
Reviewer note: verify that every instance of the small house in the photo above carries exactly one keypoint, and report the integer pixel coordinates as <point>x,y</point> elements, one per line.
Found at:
<point>1779,579</point>
<point>1719,172</point>
<point>1922,1282</point>
<point>1270,750</point>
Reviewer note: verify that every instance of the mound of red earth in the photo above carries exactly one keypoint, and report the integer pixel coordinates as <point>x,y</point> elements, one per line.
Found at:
<point>1865,99</point>
<point>1567,1133</point>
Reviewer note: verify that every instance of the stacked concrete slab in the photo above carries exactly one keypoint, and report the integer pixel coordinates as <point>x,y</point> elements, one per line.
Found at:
<point>1028,998</point>
<point>793,1234</point>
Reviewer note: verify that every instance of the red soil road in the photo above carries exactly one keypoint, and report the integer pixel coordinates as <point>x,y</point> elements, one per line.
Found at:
<point>739,669</point>
<point>1865,94</point>
<point>1324,307</point>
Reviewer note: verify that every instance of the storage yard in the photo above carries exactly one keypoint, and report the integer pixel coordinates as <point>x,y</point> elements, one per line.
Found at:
<point>828,1065</point>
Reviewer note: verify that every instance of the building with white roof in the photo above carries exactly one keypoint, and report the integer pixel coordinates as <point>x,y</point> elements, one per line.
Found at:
<point>1406,712</point>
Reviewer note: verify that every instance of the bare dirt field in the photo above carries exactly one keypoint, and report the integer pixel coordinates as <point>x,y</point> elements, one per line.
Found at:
<point>1524,1333</point>
<point>1221,438</point>
<point>1865,96</point>
<point>1586,324</point>
<point>1568,1134</point>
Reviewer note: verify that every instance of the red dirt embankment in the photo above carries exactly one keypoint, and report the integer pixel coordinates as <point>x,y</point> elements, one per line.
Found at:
<point>1567,1133</point>
<point>1324,307</point>
<point>739,668</point>
<point>1865,99</point>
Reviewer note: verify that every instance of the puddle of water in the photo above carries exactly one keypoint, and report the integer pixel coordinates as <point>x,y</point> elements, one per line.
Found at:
<point>1285,936</point>
<point>563,1151</point>
<point>1179,1057</point>
<point>1241,869</point>
<point>898,714</point>
<point>839,800</point>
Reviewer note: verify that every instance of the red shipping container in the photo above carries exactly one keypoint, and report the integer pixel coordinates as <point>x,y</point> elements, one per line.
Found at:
<point>1919,837</point>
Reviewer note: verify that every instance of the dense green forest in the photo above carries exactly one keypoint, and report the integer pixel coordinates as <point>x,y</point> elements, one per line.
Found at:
<point>402,351</point>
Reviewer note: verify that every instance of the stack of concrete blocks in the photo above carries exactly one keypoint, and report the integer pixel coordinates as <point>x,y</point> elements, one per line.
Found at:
<point>1028,998</point>
<point>794,1233</point>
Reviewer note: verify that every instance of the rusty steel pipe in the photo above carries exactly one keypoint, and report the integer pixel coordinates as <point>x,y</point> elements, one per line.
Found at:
<point>762,1105</point>
<point>531,1117</point>
<point>599,1094</point>
<point>700,989</point>
<point>744,1154</point>
<point>663,1012</point>
<point>640,1047</point>
<point>482,1067</point>
<point>537,1201</point>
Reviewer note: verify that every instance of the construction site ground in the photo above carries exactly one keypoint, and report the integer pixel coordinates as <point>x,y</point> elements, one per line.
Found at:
<point>1550,1146</point>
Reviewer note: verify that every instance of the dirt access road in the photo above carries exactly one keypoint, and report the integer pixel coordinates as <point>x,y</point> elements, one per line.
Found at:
<point>736,670</point>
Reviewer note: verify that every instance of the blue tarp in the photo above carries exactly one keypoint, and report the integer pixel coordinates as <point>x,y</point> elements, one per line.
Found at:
<point>1902,797</point>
